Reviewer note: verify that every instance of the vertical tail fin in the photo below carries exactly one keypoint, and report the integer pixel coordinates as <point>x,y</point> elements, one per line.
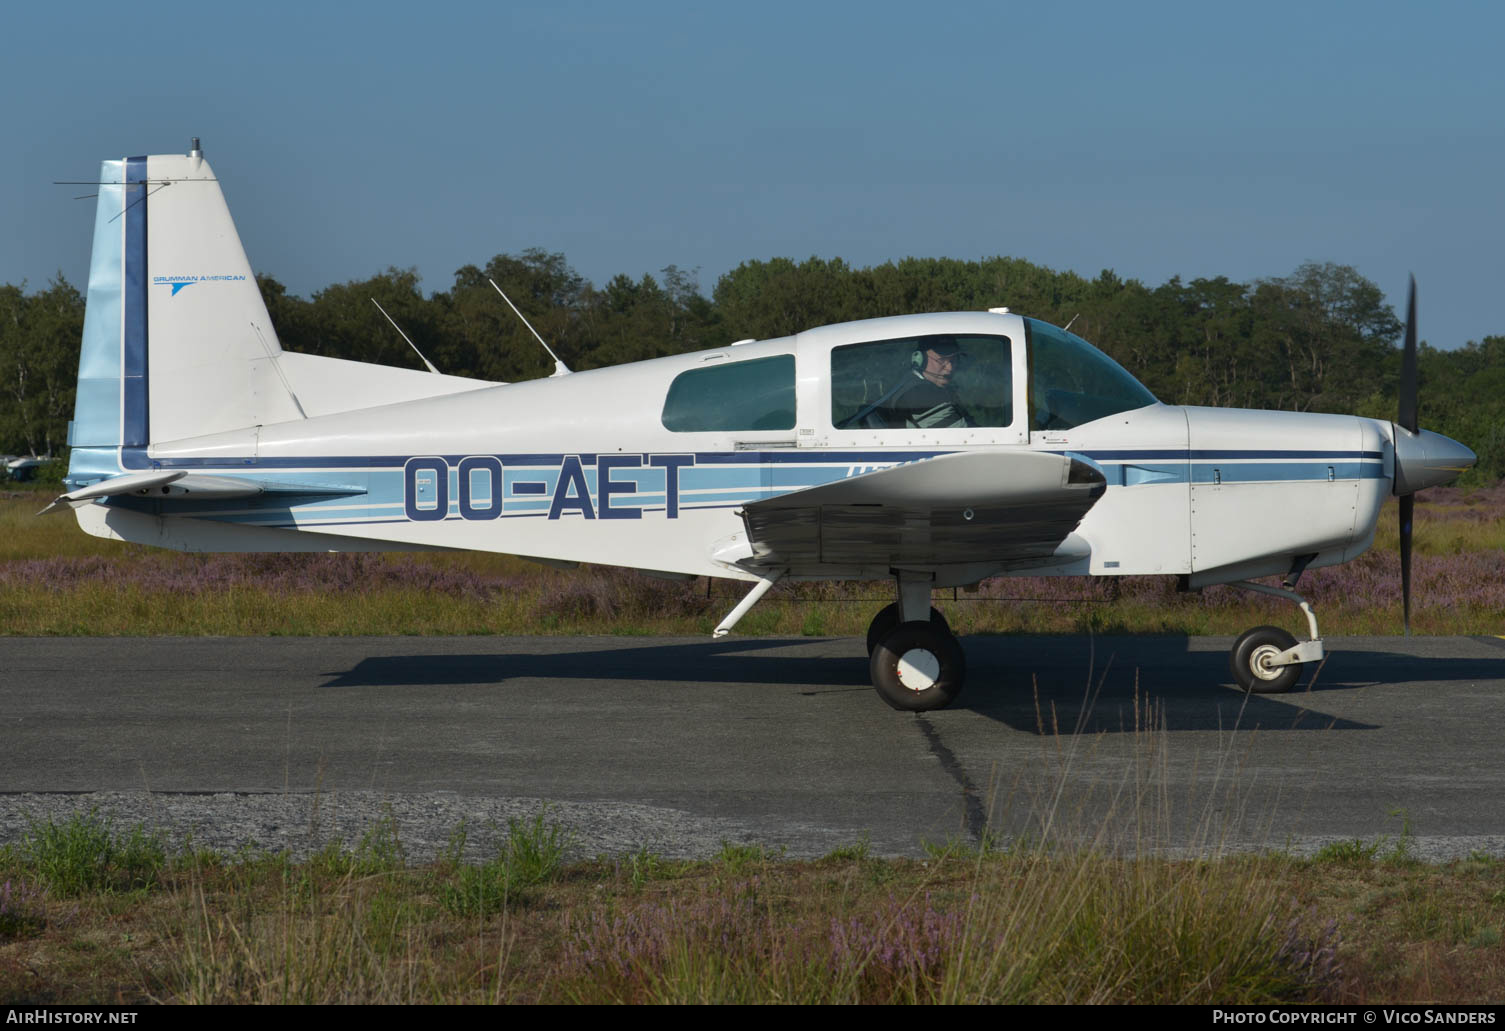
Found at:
<point>177,341</point>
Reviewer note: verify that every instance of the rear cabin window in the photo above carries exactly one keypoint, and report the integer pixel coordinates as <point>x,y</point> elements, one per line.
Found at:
<point>930,382</point>
<point>755,395</point>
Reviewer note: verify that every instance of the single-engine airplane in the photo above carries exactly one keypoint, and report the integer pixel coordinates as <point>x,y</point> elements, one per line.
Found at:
<point>929,450</point>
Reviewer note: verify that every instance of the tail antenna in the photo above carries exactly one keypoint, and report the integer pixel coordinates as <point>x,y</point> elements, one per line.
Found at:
<point>560,369</point>
<point>405,337</point>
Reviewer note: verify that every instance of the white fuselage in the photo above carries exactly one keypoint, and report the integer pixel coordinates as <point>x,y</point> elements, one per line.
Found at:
<point>583,468</point>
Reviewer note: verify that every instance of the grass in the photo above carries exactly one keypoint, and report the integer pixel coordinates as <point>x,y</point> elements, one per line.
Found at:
<point>85,855</point>
<point>56,580</point>
<point>533,854</point>
<point>1358,924</point>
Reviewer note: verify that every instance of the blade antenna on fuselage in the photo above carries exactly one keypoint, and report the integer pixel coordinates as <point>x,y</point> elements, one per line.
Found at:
<point>560,369</point>
<point>405,337</point>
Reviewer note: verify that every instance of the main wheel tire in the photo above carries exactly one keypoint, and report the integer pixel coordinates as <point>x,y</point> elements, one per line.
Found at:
<point>890,617</point>
<point>1249,661</point>
<point>918,666</point>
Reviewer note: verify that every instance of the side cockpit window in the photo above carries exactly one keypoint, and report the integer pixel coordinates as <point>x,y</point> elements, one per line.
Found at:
<point>1071,382</point>
<point>929,382</point>
<point>753,395</point>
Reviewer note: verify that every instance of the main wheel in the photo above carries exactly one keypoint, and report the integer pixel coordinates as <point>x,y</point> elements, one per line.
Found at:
<point>890,617</point>
<point>1250,658</point>
<point>918,666</point>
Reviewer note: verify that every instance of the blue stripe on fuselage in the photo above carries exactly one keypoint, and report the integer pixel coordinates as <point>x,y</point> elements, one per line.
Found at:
<point>756,458</point>
<point>713,480</point>
<point>134,425</point>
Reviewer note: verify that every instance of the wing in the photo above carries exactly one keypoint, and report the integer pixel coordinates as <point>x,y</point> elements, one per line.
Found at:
<point>1003,507</point>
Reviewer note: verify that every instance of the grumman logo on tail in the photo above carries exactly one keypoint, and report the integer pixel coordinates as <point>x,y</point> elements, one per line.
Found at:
<point>179,282</point>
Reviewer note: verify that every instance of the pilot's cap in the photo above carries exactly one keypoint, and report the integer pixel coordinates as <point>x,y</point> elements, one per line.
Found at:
<point>945,347</point>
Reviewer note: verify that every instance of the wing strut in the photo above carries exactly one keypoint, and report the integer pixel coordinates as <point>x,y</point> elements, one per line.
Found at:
<point>759,589</point>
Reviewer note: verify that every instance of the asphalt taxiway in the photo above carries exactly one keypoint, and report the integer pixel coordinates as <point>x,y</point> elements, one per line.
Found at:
<point>680,744</point>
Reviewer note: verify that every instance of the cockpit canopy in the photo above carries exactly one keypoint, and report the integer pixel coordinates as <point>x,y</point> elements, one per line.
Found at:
<point>923,383</point>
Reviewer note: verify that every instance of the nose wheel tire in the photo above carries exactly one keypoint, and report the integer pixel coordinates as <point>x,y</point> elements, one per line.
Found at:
<point>889,618</point>
<point>918,666</point>
<point>1249,661</point>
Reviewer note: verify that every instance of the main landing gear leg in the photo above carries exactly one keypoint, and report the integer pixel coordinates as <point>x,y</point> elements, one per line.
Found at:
<point>759,589</point>
<point>915,661</point>
<point>1266,659</point>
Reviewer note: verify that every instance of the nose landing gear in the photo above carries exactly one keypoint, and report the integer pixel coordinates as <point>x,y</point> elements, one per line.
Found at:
<point>1267,659</point>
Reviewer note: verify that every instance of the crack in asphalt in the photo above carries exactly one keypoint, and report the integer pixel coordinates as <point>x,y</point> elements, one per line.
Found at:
<point>977,817</point>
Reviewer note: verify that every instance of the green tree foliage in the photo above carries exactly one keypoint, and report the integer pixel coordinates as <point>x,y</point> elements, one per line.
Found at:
<point>340,321</point>
<point>1462,394</point>
<point>629,321</point>
<point>1329,330</point>
<point>39,344</point>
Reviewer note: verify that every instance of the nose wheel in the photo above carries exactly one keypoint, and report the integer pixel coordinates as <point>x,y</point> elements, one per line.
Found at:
<point>1253,661</point>
<point>1267,659</point>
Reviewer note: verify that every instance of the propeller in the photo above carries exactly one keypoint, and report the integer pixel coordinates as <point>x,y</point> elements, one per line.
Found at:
<point>1422,458</point>
<point>1407,420</point>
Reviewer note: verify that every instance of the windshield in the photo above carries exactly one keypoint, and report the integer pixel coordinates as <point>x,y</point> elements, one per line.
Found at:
<point>1071,382</point>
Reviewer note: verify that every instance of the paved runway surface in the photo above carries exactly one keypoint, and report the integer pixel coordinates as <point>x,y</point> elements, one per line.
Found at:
<point>679,744</point>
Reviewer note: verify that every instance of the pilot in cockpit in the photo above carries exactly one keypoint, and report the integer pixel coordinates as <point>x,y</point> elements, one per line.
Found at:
<point>927,397</point>
<point>924,394</point>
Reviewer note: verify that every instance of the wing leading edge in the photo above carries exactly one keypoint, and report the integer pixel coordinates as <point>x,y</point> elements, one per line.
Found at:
<point>1009,508</point>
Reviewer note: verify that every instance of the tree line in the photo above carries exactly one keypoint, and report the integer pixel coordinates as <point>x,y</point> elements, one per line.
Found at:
<point>1321,339</point>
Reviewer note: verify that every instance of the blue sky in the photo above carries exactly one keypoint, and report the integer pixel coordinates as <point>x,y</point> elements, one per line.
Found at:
<point>1153,139</point>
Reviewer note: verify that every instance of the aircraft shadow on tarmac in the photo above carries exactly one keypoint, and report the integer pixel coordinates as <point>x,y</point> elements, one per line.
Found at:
<point>1034,684</point>
<point>730,662</point>
<point>1043,685</point>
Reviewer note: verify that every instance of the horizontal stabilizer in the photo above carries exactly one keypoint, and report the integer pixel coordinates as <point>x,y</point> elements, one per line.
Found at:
<point>1003,507</point>
<point>130,483</point>
<point>178,485</point>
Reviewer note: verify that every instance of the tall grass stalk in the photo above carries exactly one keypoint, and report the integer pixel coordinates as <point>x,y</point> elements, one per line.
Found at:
<point>304,949</point>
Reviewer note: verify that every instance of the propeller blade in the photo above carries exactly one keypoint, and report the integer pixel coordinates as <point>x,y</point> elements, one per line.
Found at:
<point>1408,366</point>
<point>1407,420</point>
<point>1407,504</point>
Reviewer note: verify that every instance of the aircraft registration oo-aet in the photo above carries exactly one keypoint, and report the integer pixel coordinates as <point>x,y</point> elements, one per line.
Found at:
<point>931,451</point>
